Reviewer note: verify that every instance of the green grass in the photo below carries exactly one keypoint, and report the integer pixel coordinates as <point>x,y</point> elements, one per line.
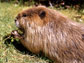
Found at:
<point>74,15</point>
<point>9,53</point>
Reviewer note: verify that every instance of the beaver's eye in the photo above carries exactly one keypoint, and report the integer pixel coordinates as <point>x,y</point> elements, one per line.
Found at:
<point>24,15</point>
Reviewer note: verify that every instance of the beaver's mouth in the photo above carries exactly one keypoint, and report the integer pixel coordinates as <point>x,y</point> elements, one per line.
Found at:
<point>19,27</point>
<point>21,31</point>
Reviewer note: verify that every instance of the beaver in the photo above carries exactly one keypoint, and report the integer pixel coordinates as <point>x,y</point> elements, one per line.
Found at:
<point>48,31</point>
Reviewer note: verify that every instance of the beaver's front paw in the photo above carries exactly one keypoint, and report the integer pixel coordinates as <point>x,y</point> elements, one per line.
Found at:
<point>16,34</point>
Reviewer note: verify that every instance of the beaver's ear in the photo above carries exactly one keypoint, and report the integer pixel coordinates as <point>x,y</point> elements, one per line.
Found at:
<point>83,36</point>
<point>42,14</point>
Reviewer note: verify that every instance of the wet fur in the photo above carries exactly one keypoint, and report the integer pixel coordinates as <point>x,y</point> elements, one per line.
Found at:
<point>48,31</point>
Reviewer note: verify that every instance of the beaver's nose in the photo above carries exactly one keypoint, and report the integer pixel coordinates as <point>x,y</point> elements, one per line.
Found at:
<point>15,20</point>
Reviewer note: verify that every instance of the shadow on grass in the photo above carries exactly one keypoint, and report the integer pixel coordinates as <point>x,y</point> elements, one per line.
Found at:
<point>11,41</point>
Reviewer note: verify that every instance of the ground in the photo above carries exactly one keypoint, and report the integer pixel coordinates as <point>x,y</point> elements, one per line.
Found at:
<point>10,50</point>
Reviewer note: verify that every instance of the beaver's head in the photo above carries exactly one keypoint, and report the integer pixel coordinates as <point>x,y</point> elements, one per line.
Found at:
<point>37,16</point>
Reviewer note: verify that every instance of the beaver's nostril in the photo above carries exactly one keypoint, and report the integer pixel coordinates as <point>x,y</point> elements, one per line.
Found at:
<point>15,20</point>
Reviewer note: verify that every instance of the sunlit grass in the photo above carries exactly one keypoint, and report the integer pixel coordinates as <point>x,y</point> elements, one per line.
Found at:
<point>73,14</point>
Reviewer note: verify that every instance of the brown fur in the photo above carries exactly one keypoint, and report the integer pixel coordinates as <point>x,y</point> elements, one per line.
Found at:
<point>48,31</point>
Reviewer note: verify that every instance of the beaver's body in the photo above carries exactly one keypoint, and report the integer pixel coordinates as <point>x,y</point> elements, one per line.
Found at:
<point>47,31</point>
